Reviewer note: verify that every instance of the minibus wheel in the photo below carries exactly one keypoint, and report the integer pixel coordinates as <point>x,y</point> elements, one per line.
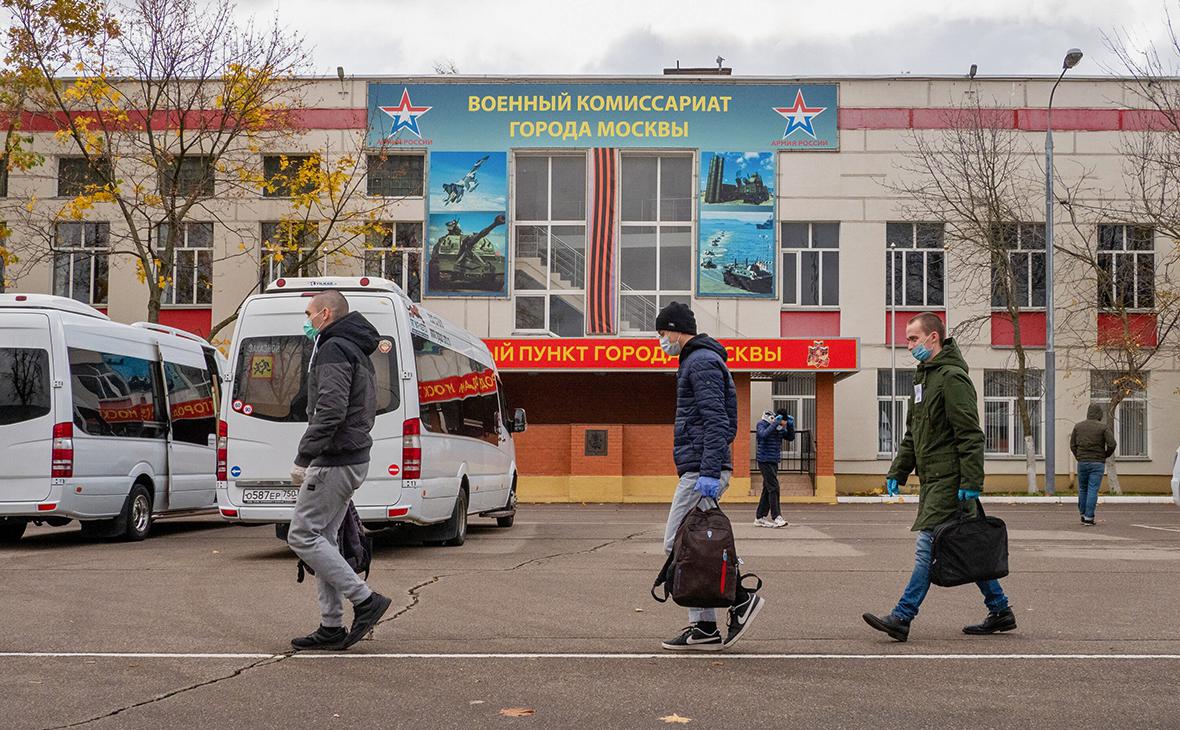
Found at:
<point>509,519</point>
<point>458,521</point>
<point>11,529</point>
<point>135,522</point>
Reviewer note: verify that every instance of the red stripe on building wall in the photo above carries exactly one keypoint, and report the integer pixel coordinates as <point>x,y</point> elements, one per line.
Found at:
<point>600,297</point>
<point>205,119</point>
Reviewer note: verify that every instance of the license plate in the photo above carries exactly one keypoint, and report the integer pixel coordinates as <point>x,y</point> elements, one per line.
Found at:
<point>269,496</point>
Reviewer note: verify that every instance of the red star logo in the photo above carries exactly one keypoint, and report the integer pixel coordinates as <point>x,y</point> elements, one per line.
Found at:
<point>799,116</point>
<point>405,108</point>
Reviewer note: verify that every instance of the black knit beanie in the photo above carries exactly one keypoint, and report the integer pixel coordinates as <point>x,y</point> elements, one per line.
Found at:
<point>676,317</point>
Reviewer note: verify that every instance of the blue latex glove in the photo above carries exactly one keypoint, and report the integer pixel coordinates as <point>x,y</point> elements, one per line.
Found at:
<point>968,495</point>
<point>791,421</point>
<point>709,487</point>
<point>891,487</point>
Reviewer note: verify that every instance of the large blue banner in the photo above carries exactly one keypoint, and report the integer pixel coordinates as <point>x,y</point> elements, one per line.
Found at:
<point>463,116</point>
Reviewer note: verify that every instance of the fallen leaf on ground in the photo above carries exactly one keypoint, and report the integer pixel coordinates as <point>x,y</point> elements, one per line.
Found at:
<point>639,610</point>
<point>675,719</point>
<point>518,712</point>
<point>476,702</point>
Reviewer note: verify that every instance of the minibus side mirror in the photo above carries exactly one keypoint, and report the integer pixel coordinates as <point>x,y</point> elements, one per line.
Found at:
<point>519,421</point>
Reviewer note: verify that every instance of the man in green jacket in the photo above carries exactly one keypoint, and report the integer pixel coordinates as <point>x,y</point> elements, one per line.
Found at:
<point>944,443</point>
<point>1092,443</point>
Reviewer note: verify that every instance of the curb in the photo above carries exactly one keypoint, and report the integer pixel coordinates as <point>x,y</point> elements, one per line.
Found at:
<point>913,499</point>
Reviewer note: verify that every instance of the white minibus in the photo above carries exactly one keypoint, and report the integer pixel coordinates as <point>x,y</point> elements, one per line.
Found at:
<point>442,439</point>
<point>106,423</point>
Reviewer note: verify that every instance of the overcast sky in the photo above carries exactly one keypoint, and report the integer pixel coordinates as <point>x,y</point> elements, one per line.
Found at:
<point>756,37</point>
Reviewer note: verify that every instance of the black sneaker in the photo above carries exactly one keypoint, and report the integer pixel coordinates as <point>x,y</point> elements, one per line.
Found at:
<point>741,616</point>
<point>322,638</point>
<point>1088,521</point>
<point>366,614</point>
<point>695,638</point>
<point>897,629</point>
<point>1003,621</point>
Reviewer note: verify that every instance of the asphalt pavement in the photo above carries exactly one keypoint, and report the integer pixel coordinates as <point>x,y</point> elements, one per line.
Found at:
<point>549,624</point>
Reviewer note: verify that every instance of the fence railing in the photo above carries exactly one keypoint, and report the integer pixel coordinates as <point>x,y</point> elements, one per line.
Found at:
<point>799,460</point>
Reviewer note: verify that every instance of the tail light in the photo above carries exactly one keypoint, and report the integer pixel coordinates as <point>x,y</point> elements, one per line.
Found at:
<point>222,450</point>
<point>63,451</point>
<point>412,449</point>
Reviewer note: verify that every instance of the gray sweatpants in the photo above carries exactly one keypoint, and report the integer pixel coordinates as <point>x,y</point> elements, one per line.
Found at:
<point>319,510</point>
<point>685,498</point>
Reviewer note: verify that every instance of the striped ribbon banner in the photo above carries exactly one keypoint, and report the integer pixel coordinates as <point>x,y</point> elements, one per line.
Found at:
<point>600,293</point>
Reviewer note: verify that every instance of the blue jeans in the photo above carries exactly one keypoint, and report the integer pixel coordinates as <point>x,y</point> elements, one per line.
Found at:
<point>919,585</point>
<point>1089,480</point>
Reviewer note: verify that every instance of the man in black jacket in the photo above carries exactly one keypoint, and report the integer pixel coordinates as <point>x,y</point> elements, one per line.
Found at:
<point>706,425</point>
<point>1092,443</point>
<point>331,463</point>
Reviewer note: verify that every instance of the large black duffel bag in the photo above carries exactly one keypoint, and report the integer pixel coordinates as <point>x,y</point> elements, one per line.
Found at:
<point>968,549</point>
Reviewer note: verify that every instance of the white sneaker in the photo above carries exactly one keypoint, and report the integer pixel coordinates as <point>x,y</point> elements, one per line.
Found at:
<point>779,522</point>
<point>763,522</point>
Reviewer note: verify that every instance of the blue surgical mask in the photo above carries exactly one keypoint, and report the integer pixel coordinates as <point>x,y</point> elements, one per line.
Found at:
<point>921,353</point>
<point>668,346</point>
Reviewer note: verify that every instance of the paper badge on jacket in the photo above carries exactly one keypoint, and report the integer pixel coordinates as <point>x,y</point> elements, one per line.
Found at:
<point>917,392</point>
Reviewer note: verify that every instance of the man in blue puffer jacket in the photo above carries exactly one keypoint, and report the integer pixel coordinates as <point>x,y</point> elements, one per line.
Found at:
<point>706,425</point>
<point>773,429</point>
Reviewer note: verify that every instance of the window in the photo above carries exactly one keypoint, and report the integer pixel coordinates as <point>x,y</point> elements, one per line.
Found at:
<point>456,395</point>
<point>116,395</point>
<point>1130,417</point>
<point>271,375</point>
<point>191,271</point>
<point>796,393</point>
<point>287,173</point>
<point>1002,427</point>
<point>549,244</point>
<point>1126,258</point>
<point>187,177</point>
<point>1025,243</point>
<point>400,263</point>
<point>891,414</point>
<point>398,176</point>
<point>655,237</point>
<point>77,176</point>
<point>915,268</point>
<point>24,384</point>
<point>192,404</point>
<point>80,266</point>
<point>290,249</point>
<point>811,264</point>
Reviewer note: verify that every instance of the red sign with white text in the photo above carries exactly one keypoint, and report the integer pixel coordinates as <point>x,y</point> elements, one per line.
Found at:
<point>456,387</point>
<point>827,354</point>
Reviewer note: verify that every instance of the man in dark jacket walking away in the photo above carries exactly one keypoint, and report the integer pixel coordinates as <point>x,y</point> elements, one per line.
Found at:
<point>772,429</point>
<point>331,463</point>
<point>1092,443</point>
<point>944,443</point>
<point>706,425</point>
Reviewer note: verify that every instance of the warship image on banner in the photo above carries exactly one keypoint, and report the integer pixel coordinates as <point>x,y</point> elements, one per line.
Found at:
<point>736,256</point>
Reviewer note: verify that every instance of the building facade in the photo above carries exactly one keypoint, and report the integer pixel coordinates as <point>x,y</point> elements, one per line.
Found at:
<point>555,217</point>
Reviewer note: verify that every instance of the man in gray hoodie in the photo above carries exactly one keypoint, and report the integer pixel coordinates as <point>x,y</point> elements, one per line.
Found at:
<point>1092,443</point>
<point>331,463</point>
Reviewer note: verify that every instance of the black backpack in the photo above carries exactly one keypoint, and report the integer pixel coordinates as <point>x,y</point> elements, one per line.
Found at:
<point>968,549</point>
<point>355,545</point>
<point>703,570</point>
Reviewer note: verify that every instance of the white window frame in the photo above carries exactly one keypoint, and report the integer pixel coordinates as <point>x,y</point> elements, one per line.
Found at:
<point>1022,247</point>
<point>391,262</point>
<point>313,268</point>
<point>94,253</point>
<point>1136,397</point>
<point>662,296</point>
<point>1016,445</point>
<point>895,280</point>
<point>549,224</point>
<point>903,408</point>
<point>796,253</point>
<point>797,395</point>
<point>169,294</point>
<point>1125,252</point>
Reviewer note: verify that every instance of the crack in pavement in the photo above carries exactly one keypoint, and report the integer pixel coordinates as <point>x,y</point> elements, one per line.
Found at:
<point>415,594</point>
<point>277,658</point>
<point>596,548</point>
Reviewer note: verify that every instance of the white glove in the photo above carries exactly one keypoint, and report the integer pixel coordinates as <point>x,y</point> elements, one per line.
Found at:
<point>297,474</point>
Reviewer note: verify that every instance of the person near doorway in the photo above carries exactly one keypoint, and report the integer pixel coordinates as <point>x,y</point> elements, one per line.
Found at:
<point>706,426</point>
<point>1092,443</point>
<point>772,430</point>
<point>944,442</point>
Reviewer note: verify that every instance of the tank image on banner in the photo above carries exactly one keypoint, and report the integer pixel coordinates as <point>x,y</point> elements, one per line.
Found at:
<point>736,243</point>
<point>467,243</point>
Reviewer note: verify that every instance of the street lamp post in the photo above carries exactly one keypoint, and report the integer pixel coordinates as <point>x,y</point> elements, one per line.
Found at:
<point>1071,59</point>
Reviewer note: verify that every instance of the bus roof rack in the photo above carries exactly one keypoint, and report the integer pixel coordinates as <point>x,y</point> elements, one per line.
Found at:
<point>49,301</point>
<point>343,283</point>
